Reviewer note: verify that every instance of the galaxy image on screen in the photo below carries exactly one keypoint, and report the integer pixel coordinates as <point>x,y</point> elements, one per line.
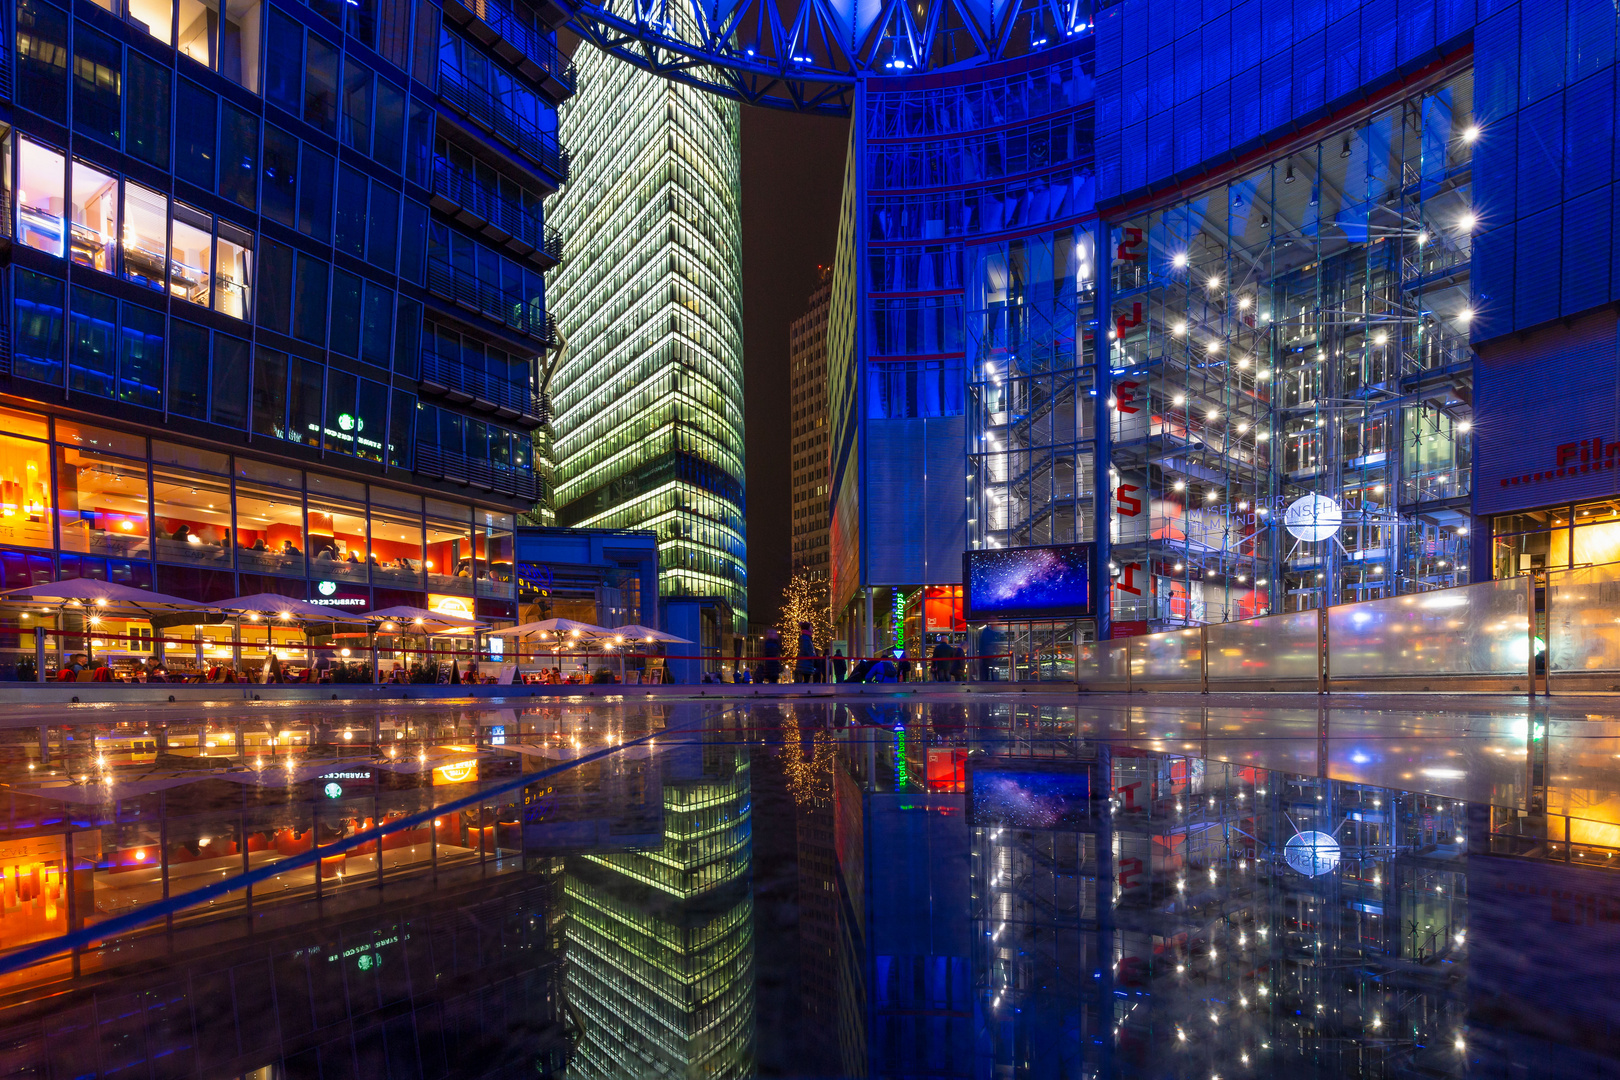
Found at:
<point>1028,581</point>
<point>1028,799</point>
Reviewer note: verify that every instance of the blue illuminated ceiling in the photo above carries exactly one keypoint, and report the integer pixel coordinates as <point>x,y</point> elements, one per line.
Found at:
<point>806,55</point>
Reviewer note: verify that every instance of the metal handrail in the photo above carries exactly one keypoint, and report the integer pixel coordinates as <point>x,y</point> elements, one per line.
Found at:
<point>479,199</point>
<point>530,42</point>
<point>487,111</point>
<point>453,375</point>
<point>454,465</point>
<point>491,301</point>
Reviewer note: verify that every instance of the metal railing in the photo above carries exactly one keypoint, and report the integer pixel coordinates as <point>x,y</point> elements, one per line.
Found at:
<point>491,301</point>
<point>1466,638</point>
<point>487,111</point>
<point>484,202</point>
<point>446,373</point>
<point>452,465</point>
<point>532,43</point>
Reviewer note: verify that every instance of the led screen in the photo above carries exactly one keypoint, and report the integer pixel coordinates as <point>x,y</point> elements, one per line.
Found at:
<point>1019,797</point>
<point>1028,582</point>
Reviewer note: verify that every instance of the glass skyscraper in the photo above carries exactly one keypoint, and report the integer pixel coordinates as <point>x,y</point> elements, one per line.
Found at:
<point>647,404</point>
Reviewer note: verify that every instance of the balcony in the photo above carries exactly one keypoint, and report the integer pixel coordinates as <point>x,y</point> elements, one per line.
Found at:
<point>447,376</point>
<point>514,41</point>
<point>457,193</point>
<point>493,302</point>
<point>432,461</point>
<point>493,115</point>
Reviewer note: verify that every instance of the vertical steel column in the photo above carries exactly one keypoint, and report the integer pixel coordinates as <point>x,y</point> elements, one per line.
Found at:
<point>1102,419</point>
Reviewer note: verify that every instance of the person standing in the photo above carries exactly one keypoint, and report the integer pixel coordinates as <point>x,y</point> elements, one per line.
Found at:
<point>804,668</point>
<point>839,665</point>
<point>772,651</point>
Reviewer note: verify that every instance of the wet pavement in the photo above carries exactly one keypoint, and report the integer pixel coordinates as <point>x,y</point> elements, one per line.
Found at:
<point>945,886</point>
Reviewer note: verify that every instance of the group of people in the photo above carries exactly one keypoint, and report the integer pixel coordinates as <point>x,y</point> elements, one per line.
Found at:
<point>79,668</point>
<point>946,663</point>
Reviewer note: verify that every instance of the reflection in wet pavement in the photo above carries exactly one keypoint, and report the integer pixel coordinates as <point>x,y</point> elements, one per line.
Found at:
<point>948,887</point>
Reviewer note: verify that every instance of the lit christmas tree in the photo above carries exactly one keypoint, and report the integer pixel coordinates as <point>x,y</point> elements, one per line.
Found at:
<point>805,599</point>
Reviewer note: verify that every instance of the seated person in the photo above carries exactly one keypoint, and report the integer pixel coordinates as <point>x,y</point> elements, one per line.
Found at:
<point>182,534</point>
<point>258,545</point>
<point>324,555</point>
<point>353,558</point>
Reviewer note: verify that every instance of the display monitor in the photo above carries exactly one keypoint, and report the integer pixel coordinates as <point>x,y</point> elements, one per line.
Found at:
<point>1028,583</point>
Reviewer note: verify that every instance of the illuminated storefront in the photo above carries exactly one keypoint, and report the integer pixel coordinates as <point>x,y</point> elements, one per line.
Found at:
<point>82,501</point>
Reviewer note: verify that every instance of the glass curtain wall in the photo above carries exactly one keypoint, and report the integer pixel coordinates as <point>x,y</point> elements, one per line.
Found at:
<point>1300,331</point>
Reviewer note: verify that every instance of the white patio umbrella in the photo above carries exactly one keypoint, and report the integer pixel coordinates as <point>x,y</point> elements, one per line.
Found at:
<point>100,594</point>
<point>97,598</point>
<point>405,619</point>
<point>646,635</point>
<point>562,630</point>
<point>274,609</point>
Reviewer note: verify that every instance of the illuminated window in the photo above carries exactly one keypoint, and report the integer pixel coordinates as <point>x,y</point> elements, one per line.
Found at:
<point>95,218</point>
<point>41,197</point>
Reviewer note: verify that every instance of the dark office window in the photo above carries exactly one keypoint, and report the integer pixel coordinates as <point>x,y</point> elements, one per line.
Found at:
<point>413,230</point>
<point>407,337</point>
<point>188,370</point>
<point>270,393</point>
<point>379,312</point>
<point>419,148</point>
<point>194,142</point>
<point>140,360</point>
<point>401,427</point>
<point>98,80</point>
<point>425,59</point>
<point>315,194</point>
<point>238,155</point>
<point>284,63</point>
<point>275,285</point>
<point>357,84</point>
<point>304,402</point>
<point>340,388</point>
<point>363,21</point>
<point>38,351</point>
<point>351,211</point>
<point>93,343</point>
<point>42,59</point>
<point>309,300</point>
<point>345,313</point>
<point>146,111</point>
<point>280,176</point>
<point>329,9</point>
<point>388,125</point>
<point>370,420</point>
<point>383,246</point>
<point>321,85</point>
<point>394,32</point>
<point>229,398</point>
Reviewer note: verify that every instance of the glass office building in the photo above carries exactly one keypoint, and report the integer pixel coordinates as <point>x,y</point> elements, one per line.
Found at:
<point>660,941</point>
<point>275,295</point>
<point>1170,273</point>
<point>647,402</point>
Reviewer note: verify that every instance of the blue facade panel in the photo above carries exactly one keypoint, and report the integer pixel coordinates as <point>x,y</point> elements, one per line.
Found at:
<point>1592,30</point>
<point>1310,75</point>
<point>1537,268</point>
<point>1540,165</point>
<point>1589,147</point>
<point>1416,23</point>
<point>1378,24</point>
<point>1492,281</point>
<point>1587,258</point>
<point>1343,42</point>
<point>1542,51</point>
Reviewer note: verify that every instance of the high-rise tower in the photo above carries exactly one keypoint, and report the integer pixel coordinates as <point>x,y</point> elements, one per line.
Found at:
<point>807,363</point>
<point>647,404</point>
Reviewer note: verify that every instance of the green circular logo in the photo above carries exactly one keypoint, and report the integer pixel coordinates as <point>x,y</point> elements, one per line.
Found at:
<point>333,790</point>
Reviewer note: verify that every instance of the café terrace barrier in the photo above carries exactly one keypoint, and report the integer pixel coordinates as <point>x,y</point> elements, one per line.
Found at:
<point>1470,638</point>
<point>1583,628</point>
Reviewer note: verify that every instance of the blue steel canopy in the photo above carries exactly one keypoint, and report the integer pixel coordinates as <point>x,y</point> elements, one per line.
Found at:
<point>806,55</point>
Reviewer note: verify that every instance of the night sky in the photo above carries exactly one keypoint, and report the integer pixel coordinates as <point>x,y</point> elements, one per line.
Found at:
<point>792,177</point>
